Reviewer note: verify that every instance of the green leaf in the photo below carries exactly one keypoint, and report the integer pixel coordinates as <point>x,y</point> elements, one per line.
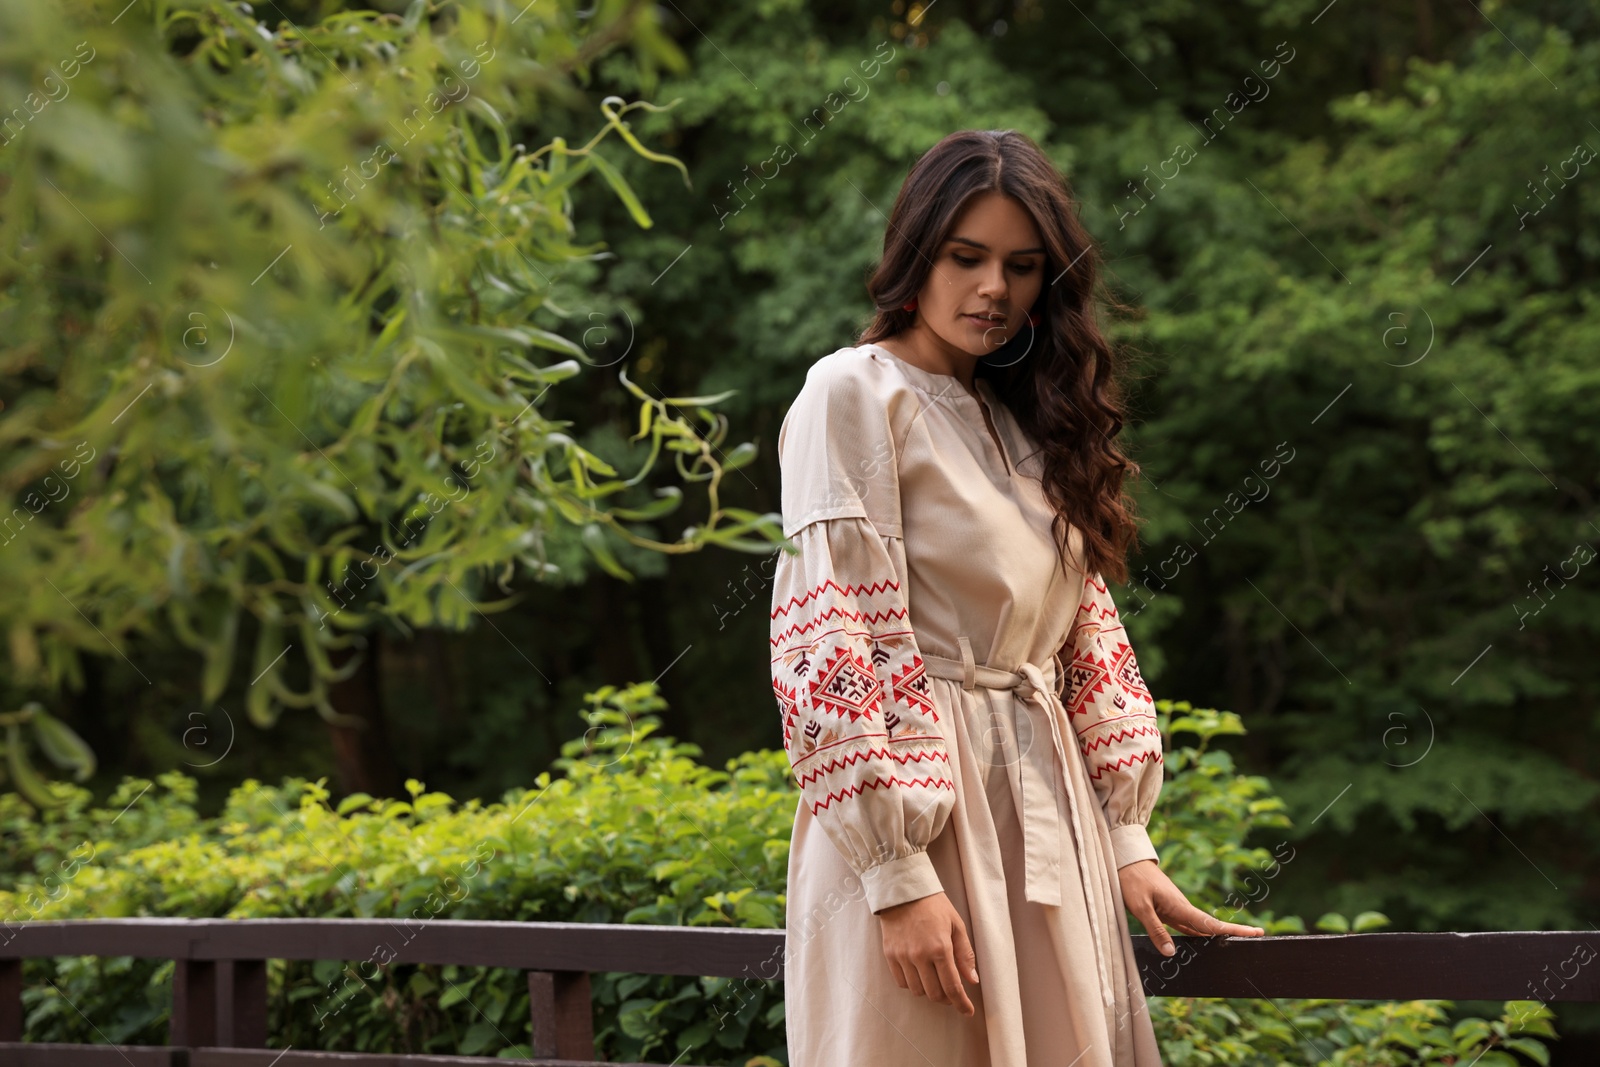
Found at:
<point>34,789</point>
<point>353,802</point>
<point>219,656</point>
<point>620,185</point>
<point>61,745</point>
<point>1537,1051</point>
<point>739,456</point>
<point>1333,922</point>
<point>455,993</point>
<point>594,539</point>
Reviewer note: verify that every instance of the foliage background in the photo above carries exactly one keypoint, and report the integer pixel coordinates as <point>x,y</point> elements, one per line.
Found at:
<point>635,829</point>
<point>1380,261</point>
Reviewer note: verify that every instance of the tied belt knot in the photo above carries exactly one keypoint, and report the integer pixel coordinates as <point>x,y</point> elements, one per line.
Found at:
<point>1041,773</point>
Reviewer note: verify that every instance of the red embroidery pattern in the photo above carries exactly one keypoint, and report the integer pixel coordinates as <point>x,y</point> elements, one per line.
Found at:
<point>909,684</point>
<point>1105,688</point>
<point>815,617</point>
<point>853,694</point>
<point>937,778</point>
<point>846,685</point>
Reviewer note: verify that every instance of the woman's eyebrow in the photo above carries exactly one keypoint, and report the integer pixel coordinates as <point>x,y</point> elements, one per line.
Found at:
<point>986,248</point>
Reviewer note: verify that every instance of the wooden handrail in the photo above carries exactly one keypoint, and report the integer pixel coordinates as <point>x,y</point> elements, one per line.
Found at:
<point>220,989</point>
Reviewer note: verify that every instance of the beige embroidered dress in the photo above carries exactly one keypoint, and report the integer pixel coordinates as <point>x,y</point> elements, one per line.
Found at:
<point>961,714</point>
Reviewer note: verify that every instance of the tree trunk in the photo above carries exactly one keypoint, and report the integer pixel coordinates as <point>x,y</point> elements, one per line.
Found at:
<point>363,757</point>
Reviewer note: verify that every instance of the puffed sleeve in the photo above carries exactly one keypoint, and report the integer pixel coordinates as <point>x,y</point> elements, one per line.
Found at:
<point>1114,718</point>
<point>859,723</point>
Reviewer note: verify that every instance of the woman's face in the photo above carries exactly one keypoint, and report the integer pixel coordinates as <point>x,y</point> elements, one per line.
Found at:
<point>985,276</point>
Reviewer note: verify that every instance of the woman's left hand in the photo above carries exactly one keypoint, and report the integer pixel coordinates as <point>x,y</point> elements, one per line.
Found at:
<point>1152,898</point>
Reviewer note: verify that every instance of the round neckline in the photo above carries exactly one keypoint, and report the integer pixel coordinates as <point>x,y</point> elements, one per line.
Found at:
<point>943,385</point>
<point>948,387</point>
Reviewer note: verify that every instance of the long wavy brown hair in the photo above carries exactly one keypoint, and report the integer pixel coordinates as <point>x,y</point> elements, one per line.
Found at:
<point>1061,381</point>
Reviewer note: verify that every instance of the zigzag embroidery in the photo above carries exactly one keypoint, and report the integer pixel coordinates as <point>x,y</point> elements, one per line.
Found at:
<point>877,783</point>
<point>1107,622</point>
<point>842,762</point>
<point>1100,586</point>
<point>1120,735</point>
<point>1097,613</point>
<point>886,585</point>
<point>857,738</point>
<point>864,617</point>
<point>1129,761</point>
<point>1145,714</point>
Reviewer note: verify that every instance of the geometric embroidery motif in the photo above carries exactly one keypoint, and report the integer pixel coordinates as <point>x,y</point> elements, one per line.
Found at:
<point>856,703</point>
<point>1104,687</point>
<point>1085,679</point>
<point>1127,670</point>
<point>910,688</point>
<point>846,685</point>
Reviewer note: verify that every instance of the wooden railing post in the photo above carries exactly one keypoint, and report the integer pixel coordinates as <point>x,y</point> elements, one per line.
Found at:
<point>563,1015</point>
<point>10,1000</point>
<point>194,1004</point>
<point>242,1003</point>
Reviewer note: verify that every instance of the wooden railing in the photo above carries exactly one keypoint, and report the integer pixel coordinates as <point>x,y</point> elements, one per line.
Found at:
<point>219,1005</point>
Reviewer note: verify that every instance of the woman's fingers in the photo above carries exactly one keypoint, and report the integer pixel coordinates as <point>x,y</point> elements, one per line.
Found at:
<point>1233,929</point>
<point>933,982</point>
<point>966,958</point>
<point>1145,912</point>
<point>929,952</point>
<point>954,992</point>
<point>1192,920</point>
<point>936,978</point>
<point>914,980</point>
<point>1157,903</point>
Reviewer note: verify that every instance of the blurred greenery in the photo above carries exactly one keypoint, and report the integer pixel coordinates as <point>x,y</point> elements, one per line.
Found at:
<point>634,829</point>
<point>1367,400</point>
<point>334,382</point>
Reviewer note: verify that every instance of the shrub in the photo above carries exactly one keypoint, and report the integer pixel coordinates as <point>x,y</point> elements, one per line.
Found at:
<point>633,830</point>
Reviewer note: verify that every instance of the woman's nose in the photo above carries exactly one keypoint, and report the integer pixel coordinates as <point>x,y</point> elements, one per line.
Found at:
<point>993,284</point>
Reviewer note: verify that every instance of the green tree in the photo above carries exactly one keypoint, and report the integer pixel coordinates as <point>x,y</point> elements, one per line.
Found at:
<point>286,305</point>
<point>1314,233</point>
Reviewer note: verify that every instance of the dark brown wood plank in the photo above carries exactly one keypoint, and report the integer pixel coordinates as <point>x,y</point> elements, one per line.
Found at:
<point>574,1016</point>
<point>1544,965</point>
<point>220,1057</point>
<point>593,947</point>
<point>562,1010</point>
<point>161,939</point>
<point>10,1000</point>
<point>194,1004</point>
<point>1526,965</point>
<point>40,1054</point>
<point>542,1012</point>
<point>242,1003</point>
<point>14,1054</point>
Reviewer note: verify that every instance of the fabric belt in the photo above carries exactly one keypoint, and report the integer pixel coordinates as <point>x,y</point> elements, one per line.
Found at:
<point>1041,771</point>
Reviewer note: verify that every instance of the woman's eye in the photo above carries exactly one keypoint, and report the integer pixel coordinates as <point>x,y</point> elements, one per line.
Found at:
<point>968,261</point>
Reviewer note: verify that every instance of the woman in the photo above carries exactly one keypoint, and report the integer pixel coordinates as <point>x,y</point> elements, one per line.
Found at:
<point>977,753</point>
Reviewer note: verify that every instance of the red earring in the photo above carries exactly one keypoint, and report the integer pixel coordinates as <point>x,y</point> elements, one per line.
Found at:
<point>912,306</point>
<point>1034,318</point>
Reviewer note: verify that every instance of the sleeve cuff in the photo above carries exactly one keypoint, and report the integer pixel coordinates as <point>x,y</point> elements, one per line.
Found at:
<point>1130,843</point>
<point>900,880</point>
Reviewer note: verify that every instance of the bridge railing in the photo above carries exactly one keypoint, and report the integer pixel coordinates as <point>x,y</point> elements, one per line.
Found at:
<point>219,1004</point>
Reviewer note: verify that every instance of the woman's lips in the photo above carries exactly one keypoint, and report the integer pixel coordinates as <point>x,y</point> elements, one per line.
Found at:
<point>986,323</point>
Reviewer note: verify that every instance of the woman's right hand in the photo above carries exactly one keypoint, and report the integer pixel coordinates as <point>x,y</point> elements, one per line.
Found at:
<point>928,951</point>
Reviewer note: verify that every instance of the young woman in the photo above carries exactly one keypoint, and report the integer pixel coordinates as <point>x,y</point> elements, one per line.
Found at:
<point>976,751</point>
